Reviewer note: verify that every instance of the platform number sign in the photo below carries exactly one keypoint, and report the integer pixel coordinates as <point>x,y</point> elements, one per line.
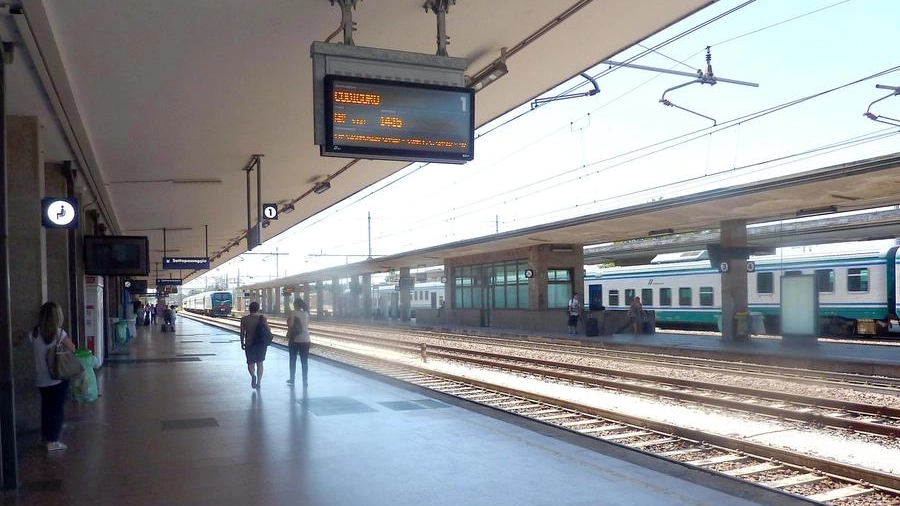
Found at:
<point>58,212</point>
<point>270,211</point>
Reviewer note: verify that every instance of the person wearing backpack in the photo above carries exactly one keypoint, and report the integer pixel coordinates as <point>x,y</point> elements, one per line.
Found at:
<point>47,335</point>
<point>298,340</point>
<point>254,344</point>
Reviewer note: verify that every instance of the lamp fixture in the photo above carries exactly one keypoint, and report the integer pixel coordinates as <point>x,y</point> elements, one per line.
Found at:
<point>287,208</point>
<point>662,231</point>
<point>321,187</point>
<point>172,181</point>
<point>266,223</point>
<point>491,73</point>
<point>815,211</point>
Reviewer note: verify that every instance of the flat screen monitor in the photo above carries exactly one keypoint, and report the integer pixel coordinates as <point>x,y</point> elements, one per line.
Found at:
<point>397,120</point>
<point>116,255</point>
<point>138,286</point>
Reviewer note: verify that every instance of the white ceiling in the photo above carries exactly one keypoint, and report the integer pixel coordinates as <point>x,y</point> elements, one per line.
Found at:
<point>150,91</point>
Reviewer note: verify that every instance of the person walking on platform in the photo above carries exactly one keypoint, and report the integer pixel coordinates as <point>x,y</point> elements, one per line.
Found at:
<point>574,311</point>
<point>254,348</point>
<point>635,314</point>
<point>46,335</point>
<point>298,340</point>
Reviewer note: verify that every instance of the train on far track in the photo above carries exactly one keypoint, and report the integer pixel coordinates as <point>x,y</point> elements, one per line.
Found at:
<point>857,289</point>
<point>209,303</point>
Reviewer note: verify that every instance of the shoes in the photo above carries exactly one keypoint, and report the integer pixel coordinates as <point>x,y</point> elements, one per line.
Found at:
<point>290,382</point>
<point>253,383</point>
<point>55,446</point>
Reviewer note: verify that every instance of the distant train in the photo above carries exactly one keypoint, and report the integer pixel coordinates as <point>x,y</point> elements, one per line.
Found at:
<point>857,289</point>
<point>209,303</point>
<point>386,303</point>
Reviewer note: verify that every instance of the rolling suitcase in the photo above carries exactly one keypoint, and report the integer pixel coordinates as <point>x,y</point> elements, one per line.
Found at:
<point>591,327</point>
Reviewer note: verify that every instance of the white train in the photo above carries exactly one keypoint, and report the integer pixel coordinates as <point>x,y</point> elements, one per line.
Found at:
<point>857,289</point>
<point>209,303</point>
<point>386,298</point>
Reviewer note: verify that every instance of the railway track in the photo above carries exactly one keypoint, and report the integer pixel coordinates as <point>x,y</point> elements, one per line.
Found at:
<point>815,478</point>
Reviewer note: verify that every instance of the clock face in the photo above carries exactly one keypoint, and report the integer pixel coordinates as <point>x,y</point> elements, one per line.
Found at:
<point>60,213</point>
<point>529,273</point>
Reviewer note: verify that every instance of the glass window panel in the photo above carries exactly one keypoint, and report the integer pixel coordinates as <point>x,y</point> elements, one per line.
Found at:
<point>665,296</point>
<point>558,295</point>
<point>476,297</point>
<point>511,293</point>
<point>647,296</point>
<point>858,279</point>
<point>706,296</point>
<point>825,279</point>
<point>613,297</point>
<point>523,297</point>
<point>685,297</point>
<point>629,296</point>
<point>765,282</point>
<point>500,297</point>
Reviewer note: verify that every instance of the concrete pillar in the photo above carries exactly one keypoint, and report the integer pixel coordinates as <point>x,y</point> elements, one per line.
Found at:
<point>404,296</point>
<point>367,295</point>
<point>537,285</point>
<point>278,299</point>
<point>733,238</point>
<point>336,297</point>
<point>27,257</point>
<point>57,243</point>
<point>320,298</point>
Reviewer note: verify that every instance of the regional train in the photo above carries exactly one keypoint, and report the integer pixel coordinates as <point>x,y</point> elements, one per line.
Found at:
<point>386,303</point>
<point>209,303</point>
<point>857,290</point>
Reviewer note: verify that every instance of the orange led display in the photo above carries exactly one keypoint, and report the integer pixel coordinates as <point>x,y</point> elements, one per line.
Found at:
<point>356,98</point>
<point>391,122</point>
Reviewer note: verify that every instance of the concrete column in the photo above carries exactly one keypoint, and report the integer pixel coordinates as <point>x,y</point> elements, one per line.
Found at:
<point>304,288</point>
<point>537,285</point>
<point>336,297</point>
<point>733,237</point>
<point>27,257</point>
<point>404,296</point>
<point>278,299</point>
<point>367,295</point>
<point>320,298</point>
<point>57,241</point>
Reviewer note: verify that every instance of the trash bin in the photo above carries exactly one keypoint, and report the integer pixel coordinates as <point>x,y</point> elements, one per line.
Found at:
<point>84,386</point>
<point>121,331</point>
<point>132,330</point>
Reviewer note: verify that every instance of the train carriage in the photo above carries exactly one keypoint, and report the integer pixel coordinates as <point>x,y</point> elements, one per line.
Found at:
<point>217,303</point>
<point>857,289</point>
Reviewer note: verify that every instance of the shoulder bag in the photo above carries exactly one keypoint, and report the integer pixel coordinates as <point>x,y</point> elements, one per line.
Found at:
<point>263,334</point>
<point>62,363</point>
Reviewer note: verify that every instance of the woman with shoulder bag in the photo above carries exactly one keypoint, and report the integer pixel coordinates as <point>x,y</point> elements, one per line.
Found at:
<point>298,340</point>
<point>46,335</point>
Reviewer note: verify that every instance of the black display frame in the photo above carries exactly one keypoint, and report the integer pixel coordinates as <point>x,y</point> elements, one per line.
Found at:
<point>412,90</point>
<point>96,266</point>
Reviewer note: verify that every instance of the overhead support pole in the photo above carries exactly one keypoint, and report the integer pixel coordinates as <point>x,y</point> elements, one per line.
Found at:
<point>252,241</point>
<point>440,8</point>
<point>895,91</point>
<point>206,239</point>
<point>165,251</point>
<point>590,93</point>
<point>347,24</point>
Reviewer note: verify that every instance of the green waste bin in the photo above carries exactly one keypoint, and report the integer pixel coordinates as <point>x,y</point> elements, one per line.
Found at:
<point>121,331</point>
<point>84,386</point>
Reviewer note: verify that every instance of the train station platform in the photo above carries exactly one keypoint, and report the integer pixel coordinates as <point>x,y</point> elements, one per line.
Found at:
<point>177,423</point>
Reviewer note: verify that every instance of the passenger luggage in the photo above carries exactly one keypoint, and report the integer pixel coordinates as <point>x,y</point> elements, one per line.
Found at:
<point>591,327</point>
<point>147,318</point>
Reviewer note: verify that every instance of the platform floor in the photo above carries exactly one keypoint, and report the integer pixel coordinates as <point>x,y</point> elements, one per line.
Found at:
<point>178,424</point>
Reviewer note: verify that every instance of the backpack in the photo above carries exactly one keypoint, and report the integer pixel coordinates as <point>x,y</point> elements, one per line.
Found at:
<point>263,334</point>
<point>297,327</point>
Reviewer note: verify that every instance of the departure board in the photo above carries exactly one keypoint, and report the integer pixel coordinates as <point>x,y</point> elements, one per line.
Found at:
<point>396,120</point>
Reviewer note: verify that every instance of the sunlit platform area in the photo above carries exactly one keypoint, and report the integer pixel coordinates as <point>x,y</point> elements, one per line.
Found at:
<point>177,423</point>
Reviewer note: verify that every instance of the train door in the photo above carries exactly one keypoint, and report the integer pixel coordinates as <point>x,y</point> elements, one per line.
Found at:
<point>434,301</point>
<point>595,297</point>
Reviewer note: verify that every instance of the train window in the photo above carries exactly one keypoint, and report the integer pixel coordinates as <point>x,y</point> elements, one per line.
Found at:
<point>858,279</point>
<point>706,296</point>
<point>665,296</point>
<point>685,297</point>
<point>629,296</point>
<point>825,280</point>
<point>765,282</point>
<point>613,297</point>
<point>647,296</point>
<point>793,273</point>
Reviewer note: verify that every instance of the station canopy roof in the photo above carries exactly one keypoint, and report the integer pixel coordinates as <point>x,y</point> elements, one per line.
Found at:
<point>161,105</point>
